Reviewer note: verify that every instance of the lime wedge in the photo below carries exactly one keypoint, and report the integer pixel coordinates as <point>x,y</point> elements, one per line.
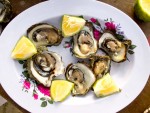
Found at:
<point>60,89</point>
<point>142,10</point>
<point>105,86</point>
<point>24,49</point>
<point>71,25</point>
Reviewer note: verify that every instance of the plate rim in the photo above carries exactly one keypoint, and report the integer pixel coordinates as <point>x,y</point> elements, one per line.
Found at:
<point>92,1</point>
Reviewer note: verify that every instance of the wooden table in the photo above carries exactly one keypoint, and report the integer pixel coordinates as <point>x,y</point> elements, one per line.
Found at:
<point>143,100</point>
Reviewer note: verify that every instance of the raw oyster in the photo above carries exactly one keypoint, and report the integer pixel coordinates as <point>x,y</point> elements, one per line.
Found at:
<point>84,43</point>
<point>44,34</point>
<point>117,50</point>
<point>44,66</point>
<point>5,11</point>
<point>81,76</point>
<point>100,65</point>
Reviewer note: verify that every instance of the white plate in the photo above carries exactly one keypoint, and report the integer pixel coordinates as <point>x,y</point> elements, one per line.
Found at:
<point>130,76</point>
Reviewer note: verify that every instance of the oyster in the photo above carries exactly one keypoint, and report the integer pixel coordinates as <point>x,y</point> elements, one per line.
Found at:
<point>44,66</point>
<point>5,11</point>
<point>44,34</point>
<point>100,65</point>
<point>84,43</point>
<point>81,76</point>
<point>116,49</point>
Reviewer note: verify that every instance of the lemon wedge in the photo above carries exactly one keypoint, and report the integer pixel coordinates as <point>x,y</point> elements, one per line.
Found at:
<point>24,49</point>
<point>71,25</point>
<point>105,86</point>
<point>60,89</point>
<point>142,10</point>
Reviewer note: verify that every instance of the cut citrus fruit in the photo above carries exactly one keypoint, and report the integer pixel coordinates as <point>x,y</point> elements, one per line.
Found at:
<point>60,89</point>
<point>71,25</point>
<point>142,10</point>
<point>24,49</point>
<point>105,86</point>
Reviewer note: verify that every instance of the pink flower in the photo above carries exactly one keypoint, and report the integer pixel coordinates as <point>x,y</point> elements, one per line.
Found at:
<point>93,20</point>
<point>26,84</point>
<point>110,26</point>
<point>43,89</point>
<point>67,45</point>
<point>96,34</point>
<point>35,95</point>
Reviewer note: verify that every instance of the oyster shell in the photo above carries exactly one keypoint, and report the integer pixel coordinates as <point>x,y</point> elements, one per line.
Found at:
<point>44,34</point>
<point>100,65</point>
<point>44,66</point>
<point>81,76</point>
<point>84,43</point>
<point>5,11</point>
<point>117,50</point>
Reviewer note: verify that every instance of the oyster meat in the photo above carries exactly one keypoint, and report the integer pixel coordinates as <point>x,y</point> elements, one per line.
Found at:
<point>100,65</point>
<point>117,50</point>
<point>43,67</point>
<point>81,76</point>
<point>84,43</point>
<point>44,34</point>
<point>5,11</point>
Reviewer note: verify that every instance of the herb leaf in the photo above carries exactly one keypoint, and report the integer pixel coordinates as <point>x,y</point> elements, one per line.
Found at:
<point>132,47</point>
<point>44,104</point>
<point>50,101</point>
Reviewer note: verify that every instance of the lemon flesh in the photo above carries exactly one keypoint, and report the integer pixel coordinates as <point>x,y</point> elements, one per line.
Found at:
<point>60,89</point>
<point>142,10</point>
<point>105,86</point>
<point>71,25</point>
<point>24,49</point>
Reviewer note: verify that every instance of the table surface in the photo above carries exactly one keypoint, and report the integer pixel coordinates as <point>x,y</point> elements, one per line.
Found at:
<point>143,100</point>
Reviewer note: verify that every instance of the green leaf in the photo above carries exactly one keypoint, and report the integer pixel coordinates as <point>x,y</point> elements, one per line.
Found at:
<point>119,37</point>
<point>106,19</point>
<point>81,16</point>
<point>25,73</point>
<point>44,104</point>
<point>21,61</point>
<point>50,101</point>
<point>42,99</point>
<point>132,47</point>
<point>130,52</point>
<point>25,65</point>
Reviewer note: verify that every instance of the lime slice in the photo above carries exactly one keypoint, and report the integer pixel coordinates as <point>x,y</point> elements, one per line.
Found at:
<point>71,25</point>
<point>60,89</point>
<point>105,86</point>
<point>142,10</point>
<point>24,49</point>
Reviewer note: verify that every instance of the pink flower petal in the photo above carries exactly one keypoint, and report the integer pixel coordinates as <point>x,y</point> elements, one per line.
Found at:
<point>96,34</point>
<point>110,26</point>
<point>44,90</point>
<point>35,95</point>
<point>93,20</point>
<point>26,84</point>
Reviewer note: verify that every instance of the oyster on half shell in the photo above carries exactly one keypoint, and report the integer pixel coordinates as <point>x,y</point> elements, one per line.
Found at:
<point>43,67</point>
<point>117,50</point>
<point>84,43</point>
<point>43,34</point>
<point>100,65</point>
<point>5,11</point>
<point>81,76</point>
